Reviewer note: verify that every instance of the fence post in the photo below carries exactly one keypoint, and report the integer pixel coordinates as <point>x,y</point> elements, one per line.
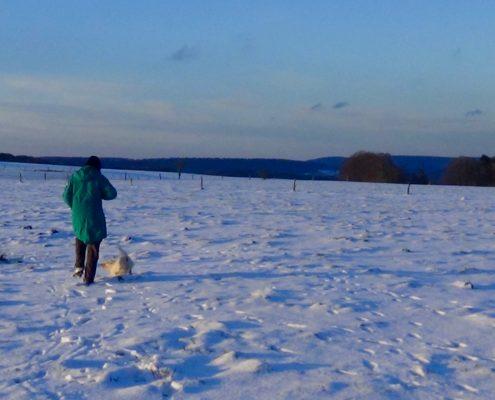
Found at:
<point>294,186</point>
<point>408,189</point>
<point>202,187</point>
<point>44,176</point>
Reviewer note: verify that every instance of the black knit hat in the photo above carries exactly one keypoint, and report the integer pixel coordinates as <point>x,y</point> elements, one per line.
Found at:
<point>94,161</point>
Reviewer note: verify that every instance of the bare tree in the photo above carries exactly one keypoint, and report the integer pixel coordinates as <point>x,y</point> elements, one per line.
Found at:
<point>487,170</point>
<point>371,167</point>
<point>467,171</point>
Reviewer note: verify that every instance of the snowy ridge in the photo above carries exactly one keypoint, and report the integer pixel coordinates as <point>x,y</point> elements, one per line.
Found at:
<point>248,290</point>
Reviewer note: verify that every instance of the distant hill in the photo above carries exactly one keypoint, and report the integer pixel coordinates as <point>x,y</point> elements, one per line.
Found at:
<point>237,167</point>
<point>326,168</point>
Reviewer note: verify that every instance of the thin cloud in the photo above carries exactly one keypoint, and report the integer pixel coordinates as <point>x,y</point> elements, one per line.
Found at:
<point>474,113</point>
<point>340,104</point>
<point>316,107</point>
<point>185,53</point>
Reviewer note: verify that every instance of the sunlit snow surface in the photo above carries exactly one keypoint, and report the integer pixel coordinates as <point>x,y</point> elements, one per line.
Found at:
<point>248,290</point>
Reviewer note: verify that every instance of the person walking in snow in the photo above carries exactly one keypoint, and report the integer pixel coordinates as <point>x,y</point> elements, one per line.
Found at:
<point>84,193</point>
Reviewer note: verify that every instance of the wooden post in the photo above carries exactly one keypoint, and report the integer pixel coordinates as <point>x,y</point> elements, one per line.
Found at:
<point>202,187</point>
<point>294,186</point>
<point>409,189</point>
<point>44,176</point>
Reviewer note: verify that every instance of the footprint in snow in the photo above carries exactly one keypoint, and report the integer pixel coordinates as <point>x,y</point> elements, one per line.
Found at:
<point>82,320</point>
<point>371,365</point>
<point>468,388</point>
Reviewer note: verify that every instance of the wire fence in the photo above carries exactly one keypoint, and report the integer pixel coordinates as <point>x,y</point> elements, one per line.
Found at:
<point>36,172</point>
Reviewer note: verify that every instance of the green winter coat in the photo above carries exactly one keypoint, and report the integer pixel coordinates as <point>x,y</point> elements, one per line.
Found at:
<point>84,192</point>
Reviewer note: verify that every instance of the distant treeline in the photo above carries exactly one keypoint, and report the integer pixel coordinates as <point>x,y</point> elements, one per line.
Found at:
<point>380,167</point>
<point>468,171</point>
<point>360,167</point>
<point>365,166</point>
<point>235,167</point>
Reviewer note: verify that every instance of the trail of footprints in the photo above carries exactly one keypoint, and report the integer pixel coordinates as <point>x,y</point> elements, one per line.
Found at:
<point>210,338</point>
<point>211,343</point>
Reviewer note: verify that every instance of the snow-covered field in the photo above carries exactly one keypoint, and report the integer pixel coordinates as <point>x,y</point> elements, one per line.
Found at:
<point>248,290</point>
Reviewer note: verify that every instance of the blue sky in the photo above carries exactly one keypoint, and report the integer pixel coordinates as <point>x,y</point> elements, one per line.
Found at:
<point>290,79</point>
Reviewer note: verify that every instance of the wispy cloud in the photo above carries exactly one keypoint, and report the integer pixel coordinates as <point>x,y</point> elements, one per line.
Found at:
<point>340,104</point>
<point>65,90</point>
<point>65,116</point>
<point>474,113</point>
<point>316,107</point>
<point>185,53</point>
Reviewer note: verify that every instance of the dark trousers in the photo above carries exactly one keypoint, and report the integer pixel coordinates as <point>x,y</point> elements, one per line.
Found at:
<point>87,259</point>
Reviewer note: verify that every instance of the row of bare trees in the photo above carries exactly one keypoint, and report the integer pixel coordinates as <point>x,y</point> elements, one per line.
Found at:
<point>366,166</point>
<point>467,171</point>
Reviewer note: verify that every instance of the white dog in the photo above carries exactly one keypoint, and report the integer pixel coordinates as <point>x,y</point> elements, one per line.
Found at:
<point>120,266</point>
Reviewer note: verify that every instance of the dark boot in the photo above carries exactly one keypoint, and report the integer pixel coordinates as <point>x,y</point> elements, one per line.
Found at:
<point>80,258</point>
<point>91,262</point>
